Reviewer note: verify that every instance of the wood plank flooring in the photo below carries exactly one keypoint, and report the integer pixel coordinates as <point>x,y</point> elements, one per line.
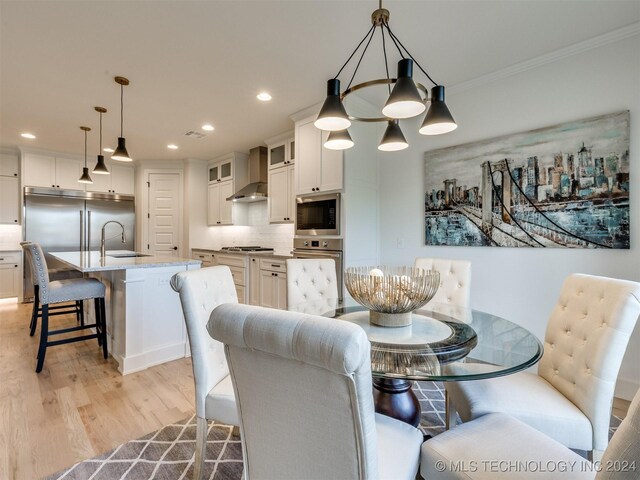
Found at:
<point>79,405</point>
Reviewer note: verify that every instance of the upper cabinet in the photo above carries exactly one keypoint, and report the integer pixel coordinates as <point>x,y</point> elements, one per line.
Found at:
<point>41,170</point>
<point>227,174</point>
<point>282,152</point>
<point>9,189</point>
<point>281,197</point>
<point>317,169</point>
<point>120,180</point>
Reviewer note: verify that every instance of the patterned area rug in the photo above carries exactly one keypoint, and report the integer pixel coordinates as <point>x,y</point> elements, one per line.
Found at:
<point>168,453</point>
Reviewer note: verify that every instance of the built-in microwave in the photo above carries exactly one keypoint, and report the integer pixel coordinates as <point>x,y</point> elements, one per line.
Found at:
<point>318,214</point>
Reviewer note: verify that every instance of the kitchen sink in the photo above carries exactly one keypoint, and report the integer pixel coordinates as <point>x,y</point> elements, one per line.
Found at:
<point>127,255</point>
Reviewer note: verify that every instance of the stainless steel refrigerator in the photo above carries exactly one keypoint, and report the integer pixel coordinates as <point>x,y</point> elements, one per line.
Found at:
<point>68,220</point>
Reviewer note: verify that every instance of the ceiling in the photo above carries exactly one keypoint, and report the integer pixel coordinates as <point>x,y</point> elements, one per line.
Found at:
<point>193,62</point>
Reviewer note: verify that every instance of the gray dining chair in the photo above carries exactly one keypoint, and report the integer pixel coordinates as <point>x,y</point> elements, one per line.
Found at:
<point>303,387</point>
<point>62,291</point>
<point>312,285</point>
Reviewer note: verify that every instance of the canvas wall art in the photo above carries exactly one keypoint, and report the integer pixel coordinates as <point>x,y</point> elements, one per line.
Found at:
<point>562,186</point>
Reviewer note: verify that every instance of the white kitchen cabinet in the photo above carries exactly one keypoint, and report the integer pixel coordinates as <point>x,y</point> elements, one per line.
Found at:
<point>219,211</point>
<point>228,167</point>
<point>281,150</point>
<point>229,173</point>
<point>9,165</point>
<point>9,200</point>
<point>10,274</point>
<point>120,180</point>
<point>254,280</point>
<point>292,192</point>
<point>226,208</point>
<point>52,172</point>
<point>238,266</point>
<point>318,169</point>
<point>273,283</point>
<point>281,194</point>
<point>213,204</point>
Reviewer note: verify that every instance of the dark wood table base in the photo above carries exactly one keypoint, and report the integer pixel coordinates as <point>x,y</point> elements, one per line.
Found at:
<point>394,398</point>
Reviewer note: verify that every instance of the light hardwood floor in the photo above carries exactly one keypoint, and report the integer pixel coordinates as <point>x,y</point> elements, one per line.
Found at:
<point>79,406</point>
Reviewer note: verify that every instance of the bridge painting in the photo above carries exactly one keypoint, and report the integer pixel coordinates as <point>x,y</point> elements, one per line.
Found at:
<point>561,186</point>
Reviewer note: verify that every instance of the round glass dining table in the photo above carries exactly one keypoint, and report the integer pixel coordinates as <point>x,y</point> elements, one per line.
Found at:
<point>444,343</point>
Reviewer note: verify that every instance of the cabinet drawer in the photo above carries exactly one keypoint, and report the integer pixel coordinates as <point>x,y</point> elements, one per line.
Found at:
<point>11,257</point>
<point>273,265</point>
<point>231,260</point>
<point>238,275</point>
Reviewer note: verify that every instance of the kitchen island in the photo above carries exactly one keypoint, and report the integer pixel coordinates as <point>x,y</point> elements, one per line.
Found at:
<point>145,325</point>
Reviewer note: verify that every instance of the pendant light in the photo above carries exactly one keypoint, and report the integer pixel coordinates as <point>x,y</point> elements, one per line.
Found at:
<point>393,138</point>
<point>438,119</point>
<point>404,101</point>
<point>100,168</point>
<point>333,116</point>
<point>121,153</point>
<point>85,178</point>
<point>339,140</point>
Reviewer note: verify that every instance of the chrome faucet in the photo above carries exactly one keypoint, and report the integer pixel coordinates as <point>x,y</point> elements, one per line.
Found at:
<point>103,252</point>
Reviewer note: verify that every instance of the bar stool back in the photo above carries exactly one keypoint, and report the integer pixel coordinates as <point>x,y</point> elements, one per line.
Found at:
<point>60,291</point>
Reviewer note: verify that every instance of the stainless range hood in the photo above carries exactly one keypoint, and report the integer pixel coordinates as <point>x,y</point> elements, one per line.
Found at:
<point>256,190</point>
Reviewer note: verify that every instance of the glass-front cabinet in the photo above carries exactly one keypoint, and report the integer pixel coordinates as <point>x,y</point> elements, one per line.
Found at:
<point>221,171</point>
<point>281,150</point>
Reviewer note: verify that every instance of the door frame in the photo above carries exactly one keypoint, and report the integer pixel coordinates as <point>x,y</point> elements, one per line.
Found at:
<point>145,207</point>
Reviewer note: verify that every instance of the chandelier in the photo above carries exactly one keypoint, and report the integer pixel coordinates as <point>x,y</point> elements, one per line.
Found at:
<point>407,98</point>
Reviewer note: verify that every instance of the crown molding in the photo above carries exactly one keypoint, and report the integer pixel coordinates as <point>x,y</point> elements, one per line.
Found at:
<point>575,49</point>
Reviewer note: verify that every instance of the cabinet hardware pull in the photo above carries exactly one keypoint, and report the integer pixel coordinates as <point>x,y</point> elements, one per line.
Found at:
<point>276,265</point>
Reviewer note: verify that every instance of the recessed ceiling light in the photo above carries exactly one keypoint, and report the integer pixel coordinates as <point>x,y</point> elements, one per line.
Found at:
<point>28,135</point>
<point>109,150</point>
<point>208,127</point>
<point>263,97</point>
<point>172,146</point>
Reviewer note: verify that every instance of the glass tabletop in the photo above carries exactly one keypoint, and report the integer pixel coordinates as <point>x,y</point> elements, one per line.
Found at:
<point>443,343</point>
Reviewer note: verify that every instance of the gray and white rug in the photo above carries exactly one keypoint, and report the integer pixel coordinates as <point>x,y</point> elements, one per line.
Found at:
<point>168,453</point>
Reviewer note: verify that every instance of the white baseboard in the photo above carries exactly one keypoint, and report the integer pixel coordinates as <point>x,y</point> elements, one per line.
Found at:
<point>142,361</point>
<point>626,389</point>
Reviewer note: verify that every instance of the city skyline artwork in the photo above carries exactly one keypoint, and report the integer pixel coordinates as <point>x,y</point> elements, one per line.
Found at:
<point>563,186</point>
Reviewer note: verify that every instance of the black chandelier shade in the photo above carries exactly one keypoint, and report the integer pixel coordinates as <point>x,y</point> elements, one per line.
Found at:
<point>101,167</point>
<point>121,154</point>
<point>333,116</point>
<point>393,138</point>
<point>438,119</point>
<point>339,140</point>
<point>405,100</point>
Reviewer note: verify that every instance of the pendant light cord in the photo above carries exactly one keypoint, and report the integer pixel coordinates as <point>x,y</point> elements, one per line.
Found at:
<point>373,31</point>
<point>354,52</point>
<point>122,109</point>
<point>100,151</point>
<point>397,41</point>
<point>384,52</point>
<point>85,149</point>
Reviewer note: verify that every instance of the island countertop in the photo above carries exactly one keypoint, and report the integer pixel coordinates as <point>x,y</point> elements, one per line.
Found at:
<point>86,262</point>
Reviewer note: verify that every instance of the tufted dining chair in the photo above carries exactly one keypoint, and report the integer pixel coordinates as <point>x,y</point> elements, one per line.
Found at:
<point>200,292</point>
<point>453,295</point>
<point>498,439</point>
<point>455,280</point>
<point>52,292</point>
<point>570,398</point>
<point>303,385</point>
<point>311,283</point>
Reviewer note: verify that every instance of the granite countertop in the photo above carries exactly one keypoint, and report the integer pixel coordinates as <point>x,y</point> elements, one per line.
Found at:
<point>274,254</point>
<point>91,261</point>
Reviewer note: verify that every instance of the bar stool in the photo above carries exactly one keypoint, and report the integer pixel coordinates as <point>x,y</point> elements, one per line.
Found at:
<point>69,290</point>
<point>66,309</point>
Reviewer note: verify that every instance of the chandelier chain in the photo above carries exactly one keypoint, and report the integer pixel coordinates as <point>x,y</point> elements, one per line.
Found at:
<point>373,31</point>
<point>394,38</point>
<point>354,52</point>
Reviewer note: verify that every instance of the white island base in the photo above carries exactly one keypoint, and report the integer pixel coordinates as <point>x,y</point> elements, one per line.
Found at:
<point>145,324</point>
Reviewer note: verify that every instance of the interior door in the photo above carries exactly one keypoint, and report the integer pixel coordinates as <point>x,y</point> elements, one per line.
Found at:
<point>164,214</point>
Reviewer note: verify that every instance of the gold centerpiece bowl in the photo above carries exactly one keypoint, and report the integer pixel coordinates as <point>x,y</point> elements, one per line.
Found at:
<point>391,293</point>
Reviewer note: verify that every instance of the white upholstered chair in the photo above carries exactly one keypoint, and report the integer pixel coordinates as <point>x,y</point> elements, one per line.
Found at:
<point>312,285</point>
<point>200,292</point>
<point>452,298</point>
<point>303,386</point>
<point>570,398</point>
<point>495,446</point>
<point>455,280</point>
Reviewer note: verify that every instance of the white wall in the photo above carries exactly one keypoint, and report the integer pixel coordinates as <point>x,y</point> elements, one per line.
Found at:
<point>522,284</point>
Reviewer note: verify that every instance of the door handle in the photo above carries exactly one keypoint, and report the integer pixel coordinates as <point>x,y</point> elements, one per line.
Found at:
<point>175,248</point>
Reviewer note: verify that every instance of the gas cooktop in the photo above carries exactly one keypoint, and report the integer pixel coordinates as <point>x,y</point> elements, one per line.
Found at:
<point>251,248</point>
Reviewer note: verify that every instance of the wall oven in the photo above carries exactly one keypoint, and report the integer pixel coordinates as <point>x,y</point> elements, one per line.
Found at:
<point>318,214</point>
<point>315,247</point>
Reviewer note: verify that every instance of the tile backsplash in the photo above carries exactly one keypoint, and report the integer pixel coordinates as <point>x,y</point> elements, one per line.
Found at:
<point>257,232</point>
